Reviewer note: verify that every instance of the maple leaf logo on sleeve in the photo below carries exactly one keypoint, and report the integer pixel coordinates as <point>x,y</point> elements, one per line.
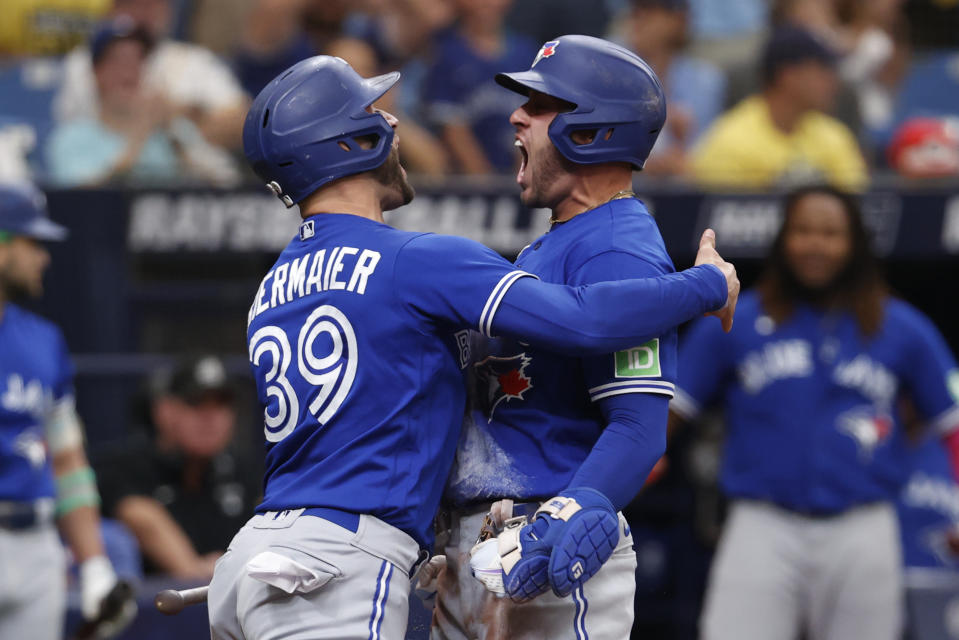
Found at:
<point>502,379</point>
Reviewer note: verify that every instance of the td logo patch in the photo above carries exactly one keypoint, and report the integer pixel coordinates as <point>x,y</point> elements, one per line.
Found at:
<point>639,362</point>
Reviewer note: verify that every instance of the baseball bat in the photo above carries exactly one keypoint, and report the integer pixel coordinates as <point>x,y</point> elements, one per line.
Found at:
<point>171,601</point>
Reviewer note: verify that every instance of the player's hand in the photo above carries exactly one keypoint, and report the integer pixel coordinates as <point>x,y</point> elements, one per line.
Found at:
<point>107,604</point>
<point>569,539</point>
<point>428,578</point>
<point>708,255</point>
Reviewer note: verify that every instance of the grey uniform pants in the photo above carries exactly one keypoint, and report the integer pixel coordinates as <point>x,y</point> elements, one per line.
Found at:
<point>777,572</point>
<point>601,610</point>
<point>300,577</point>
<point>33,583</point>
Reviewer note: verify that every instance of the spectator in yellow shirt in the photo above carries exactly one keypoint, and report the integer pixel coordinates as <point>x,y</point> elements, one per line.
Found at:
<point>782,135</point>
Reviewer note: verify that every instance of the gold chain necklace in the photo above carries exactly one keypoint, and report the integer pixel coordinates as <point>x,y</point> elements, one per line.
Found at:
<point>619,195</point>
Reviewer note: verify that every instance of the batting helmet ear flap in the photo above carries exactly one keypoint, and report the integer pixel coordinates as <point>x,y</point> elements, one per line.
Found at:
<point>301,130</point>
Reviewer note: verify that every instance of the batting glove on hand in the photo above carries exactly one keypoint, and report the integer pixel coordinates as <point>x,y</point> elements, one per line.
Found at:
<point>569,539</point>
<point>107,604</point>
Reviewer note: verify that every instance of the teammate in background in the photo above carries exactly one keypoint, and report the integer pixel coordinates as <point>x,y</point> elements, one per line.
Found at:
<point>44,475</point>
<point>587,428</point>
<point>814,453</point>
<point>357,337</point>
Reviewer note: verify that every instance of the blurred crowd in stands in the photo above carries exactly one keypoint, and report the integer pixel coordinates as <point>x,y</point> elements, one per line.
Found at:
<point>762,93</point>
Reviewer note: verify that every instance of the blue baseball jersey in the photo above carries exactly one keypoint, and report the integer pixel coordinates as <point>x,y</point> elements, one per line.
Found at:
<point>928,506</point>
<point>354,348</point>
<point>810,405</point>
<point>35,375</point>
<point>533,417</point>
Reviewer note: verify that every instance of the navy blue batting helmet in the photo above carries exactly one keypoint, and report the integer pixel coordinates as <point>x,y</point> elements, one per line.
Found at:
<point>23,212</point>
<point>615,93</point>
<point>301,130</point>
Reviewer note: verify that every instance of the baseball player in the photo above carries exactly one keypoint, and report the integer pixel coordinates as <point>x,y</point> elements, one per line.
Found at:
<point>44,474</point>
<point>357,337</point>
<point>927,510</point>
<point>814,451</point>
<point>589,429</point>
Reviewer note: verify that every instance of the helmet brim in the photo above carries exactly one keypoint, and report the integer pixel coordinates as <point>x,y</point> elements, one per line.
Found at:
<point>378,85</point>
<point>522,82</point>
<point>44,229</point>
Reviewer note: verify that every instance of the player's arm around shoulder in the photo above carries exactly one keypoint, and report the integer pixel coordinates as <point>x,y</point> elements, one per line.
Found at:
<point>453,281</point>
<point>617,262</point>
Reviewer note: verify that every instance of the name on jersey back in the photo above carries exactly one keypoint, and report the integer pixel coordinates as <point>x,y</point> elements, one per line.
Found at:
<point>337,268</point>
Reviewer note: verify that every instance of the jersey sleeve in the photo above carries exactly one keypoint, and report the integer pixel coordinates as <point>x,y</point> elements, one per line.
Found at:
<point>647,367</point>
<point>931,374</point>
<point>699,377</point>
<point>632,441</point>
<point>453,281</point>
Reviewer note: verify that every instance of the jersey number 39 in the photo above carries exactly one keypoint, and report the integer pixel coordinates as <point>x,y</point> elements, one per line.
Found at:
<point>330,375</point>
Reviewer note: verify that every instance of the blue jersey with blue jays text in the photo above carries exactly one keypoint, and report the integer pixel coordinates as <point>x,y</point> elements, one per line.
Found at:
<point>928,506</point>
<point>533,416</point>
<point>357,360</point>
<point>811,405</point>
<point>35,375</point>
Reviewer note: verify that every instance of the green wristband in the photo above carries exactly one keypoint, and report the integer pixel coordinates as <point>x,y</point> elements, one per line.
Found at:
<point>77,489</point>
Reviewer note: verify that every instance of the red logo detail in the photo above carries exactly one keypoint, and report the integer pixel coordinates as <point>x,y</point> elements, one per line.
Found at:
<point>883,427</point>
<point>500,378</point>
<point>513,383</point>
<point>546,51</point>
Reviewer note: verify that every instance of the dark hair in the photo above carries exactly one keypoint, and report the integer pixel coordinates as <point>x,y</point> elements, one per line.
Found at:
<point>859,287</point>
<point>790,45</point>
<point>112,31</point>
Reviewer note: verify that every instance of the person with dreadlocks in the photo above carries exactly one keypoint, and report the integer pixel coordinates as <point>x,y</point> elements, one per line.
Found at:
<point>814,455</point>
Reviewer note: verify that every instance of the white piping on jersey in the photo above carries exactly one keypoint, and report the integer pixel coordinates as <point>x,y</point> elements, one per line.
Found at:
<point>649,383</point>
<point>663,391</point>
<point>496,297</point>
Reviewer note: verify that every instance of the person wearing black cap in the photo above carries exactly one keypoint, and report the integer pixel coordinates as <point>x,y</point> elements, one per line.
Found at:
<point>44,473</point>
<point>184,492</point>
<point>782,135</point>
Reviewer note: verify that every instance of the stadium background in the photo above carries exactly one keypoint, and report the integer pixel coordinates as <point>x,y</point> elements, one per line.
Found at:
<point>153,271</point>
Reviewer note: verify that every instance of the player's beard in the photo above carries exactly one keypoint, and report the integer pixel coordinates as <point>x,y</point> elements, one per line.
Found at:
<point>544,178</point>
<point>17,290</point>
<point>391,175</point>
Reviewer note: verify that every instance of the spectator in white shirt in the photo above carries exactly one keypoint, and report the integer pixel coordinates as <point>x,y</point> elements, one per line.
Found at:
<point>191,78</point>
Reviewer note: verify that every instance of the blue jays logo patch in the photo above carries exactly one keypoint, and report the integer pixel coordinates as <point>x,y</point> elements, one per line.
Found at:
<point>867,428</point>
<point>546,51</point>
<point>502,378</point>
